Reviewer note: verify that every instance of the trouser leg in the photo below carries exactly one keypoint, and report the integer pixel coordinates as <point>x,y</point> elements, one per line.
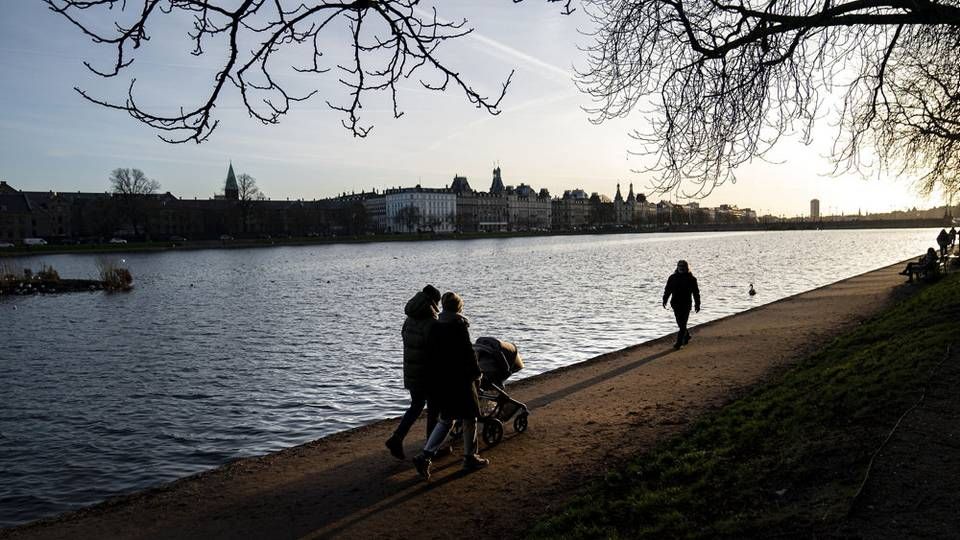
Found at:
<point>437,436</point>
<point>469,437</point>
<point>417,401</point>
<point>682,314</point>
<point>433,413</point>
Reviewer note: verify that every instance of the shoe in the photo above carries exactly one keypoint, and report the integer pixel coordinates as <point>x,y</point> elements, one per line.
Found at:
<point>677,345</point>
<point>422,464</point>
<point>474,463</point>
<point>396,448</point>
<point>687,338</point>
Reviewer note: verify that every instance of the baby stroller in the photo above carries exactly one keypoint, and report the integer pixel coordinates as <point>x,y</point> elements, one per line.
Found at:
<point>497,360</point>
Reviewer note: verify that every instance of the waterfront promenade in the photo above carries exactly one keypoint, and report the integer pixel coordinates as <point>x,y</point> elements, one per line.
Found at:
<point>586,418</point>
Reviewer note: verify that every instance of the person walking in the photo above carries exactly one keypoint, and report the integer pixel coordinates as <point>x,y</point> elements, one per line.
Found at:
<point>421,311</point>
<point>943,240</point>
<point>454,364</point>
<point>681,287</point>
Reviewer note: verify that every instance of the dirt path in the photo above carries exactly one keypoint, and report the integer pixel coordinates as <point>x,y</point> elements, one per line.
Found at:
<point>585,419</point>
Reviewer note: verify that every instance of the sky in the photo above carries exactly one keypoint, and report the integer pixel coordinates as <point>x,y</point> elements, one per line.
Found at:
<point>52,139</point>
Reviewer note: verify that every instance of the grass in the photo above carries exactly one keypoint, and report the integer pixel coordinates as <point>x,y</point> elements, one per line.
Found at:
<point>787,458</point>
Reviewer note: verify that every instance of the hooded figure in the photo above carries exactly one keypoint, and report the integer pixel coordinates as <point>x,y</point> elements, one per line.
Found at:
<point>421,311</point>
<point>681,288</point>
<point>943,240</point>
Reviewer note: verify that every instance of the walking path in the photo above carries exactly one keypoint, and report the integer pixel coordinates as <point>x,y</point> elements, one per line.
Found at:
<point>586,418</point>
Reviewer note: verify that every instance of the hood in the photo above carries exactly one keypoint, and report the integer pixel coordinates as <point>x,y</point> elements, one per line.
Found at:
<point>449,317</point>
<point>420,307</point>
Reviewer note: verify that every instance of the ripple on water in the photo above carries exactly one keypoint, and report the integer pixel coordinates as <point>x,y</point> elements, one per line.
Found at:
<point>276,347</point>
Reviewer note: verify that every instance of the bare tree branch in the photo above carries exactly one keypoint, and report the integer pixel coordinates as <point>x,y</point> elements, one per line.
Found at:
<point>391,41</point>
<point>722,81</point>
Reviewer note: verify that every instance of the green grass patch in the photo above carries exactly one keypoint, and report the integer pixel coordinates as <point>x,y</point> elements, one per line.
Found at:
<point>788,457</point>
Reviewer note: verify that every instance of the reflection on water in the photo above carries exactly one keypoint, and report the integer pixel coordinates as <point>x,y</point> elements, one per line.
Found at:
<point>221,354</point>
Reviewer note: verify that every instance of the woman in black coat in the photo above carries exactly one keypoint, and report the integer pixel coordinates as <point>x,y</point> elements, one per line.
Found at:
<point>454,384</point>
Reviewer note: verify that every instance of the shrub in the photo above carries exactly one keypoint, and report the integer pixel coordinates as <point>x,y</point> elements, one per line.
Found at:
<point>48,274</point>
<point>114,276</point>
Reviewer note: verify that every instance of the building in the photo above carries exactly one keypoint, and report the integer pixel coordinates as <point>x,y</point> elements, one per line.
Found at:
<point>571,211</point>
<point>815,209</point>
<point>420,209</point>
<point>527,209</point>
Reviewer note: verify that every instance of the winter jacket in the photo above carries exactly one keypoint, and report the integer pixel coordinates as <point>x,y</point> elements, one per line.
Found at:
<point>455,369</point>
<point>421,316</point>
<point>943,238</point>
<point>681,286</point>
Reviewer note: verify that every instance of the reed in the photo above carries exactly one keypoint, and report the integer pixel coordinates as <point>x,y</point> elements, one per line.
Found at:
<point>114,275</point>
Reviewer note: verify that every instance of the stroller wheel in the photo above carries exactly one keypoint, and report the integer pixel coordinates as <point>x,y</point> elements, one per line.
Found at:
<point>520,422</point>
<point>492,431</point>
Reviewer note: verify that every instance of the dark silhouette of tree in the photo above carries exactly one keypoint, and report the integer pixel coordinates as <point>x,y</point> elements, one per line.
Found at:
<point>390,40</point>
<point>724,80</point>
<point>409,217</point>
<point>248,192</point>
<point>131,187</point>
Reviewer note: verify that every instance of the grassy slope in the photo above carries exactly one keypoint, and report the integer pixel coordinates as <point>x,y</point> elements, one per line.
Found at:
<point>788,457</point>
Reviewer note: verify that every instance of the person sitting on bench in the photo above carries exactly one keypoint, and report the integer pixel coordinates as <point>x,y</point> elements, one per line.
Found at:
<point>923,265</point>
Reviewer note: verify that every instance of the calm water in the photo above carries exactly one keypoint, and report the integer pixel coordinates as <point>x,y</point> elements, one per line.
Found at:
<point>221,354</point>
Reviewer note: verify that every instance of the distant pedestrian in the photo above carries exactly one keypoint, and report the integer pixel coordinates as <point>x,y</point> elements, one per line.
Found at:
<point>953,236</point>
<point>421,311</point>
<point>943,240</point>
<point>455,385</point>
<point>681,288</point>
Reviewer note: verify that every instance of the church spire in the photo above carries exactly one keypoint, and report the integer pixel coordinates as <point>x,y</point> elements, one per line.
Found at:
<point>631,197</point>
<point>618,197</point>
<point>230,190</point>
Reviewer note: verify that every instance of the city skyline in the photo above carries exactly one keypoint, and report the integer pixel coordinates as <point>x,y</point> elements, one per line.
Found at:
<point>53,139</point>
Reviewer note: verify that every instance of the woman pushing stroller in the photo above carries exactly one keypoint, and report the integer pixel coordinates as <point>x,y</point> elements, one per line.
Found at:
<point>453,381</point>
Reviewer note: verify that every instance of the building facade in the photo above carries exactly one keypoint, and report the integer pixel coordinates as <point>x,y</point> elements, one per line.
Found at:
<point>420,209</point>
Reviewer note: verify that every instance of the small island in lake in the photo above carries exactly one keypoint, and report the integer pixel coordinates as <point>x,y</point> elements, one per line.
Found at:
<point>113,277</point>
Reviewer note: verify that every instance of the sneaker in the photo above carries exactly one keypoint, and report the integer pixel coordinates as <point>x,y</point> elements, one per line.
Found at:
<point>396,448</point>
<point>474,463</point>
<point>687,338</point>
<point>677,345</point>
<point>422,464</point>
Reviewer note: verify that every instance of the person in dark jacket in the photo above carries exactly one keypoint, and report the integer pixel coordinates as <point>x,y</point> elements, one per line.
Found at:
<point>943,240</point>
<point>421,311</point>
<point>454,385</point>
<point>925,263</point>
<point>681,287</point>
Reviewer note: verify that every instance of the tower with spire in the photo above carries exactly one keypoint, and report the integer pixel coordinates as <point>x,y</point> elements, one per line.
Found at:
<point>230,191</point>
<point>618,207</point>
<point>497,186</point>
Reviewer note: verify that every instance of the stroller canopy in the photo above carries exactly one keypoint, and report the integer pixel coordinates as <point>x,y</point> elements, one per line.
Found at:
<point>497,359</point>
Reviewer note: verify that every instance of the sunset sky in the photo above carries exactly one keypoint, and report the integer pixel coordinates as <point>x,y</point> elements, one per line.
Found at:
<point>50,138</point>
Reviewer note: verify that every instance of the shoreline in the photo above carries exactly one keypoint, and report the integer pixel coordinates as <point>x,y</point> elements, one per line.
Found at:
<point>337,459</point>
<point>166,246</point>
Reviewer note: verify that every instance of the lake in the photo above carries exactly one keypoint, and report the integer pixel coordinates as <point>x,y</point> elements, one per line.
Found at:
<point>219,354</point>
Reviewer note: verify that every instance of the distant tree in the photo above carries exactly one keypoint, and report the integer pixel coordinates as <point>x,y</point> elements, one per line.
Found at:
<point>131,187</point>
<point>409,217</point>
<point>248,193</point>
<point>388,41</point>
